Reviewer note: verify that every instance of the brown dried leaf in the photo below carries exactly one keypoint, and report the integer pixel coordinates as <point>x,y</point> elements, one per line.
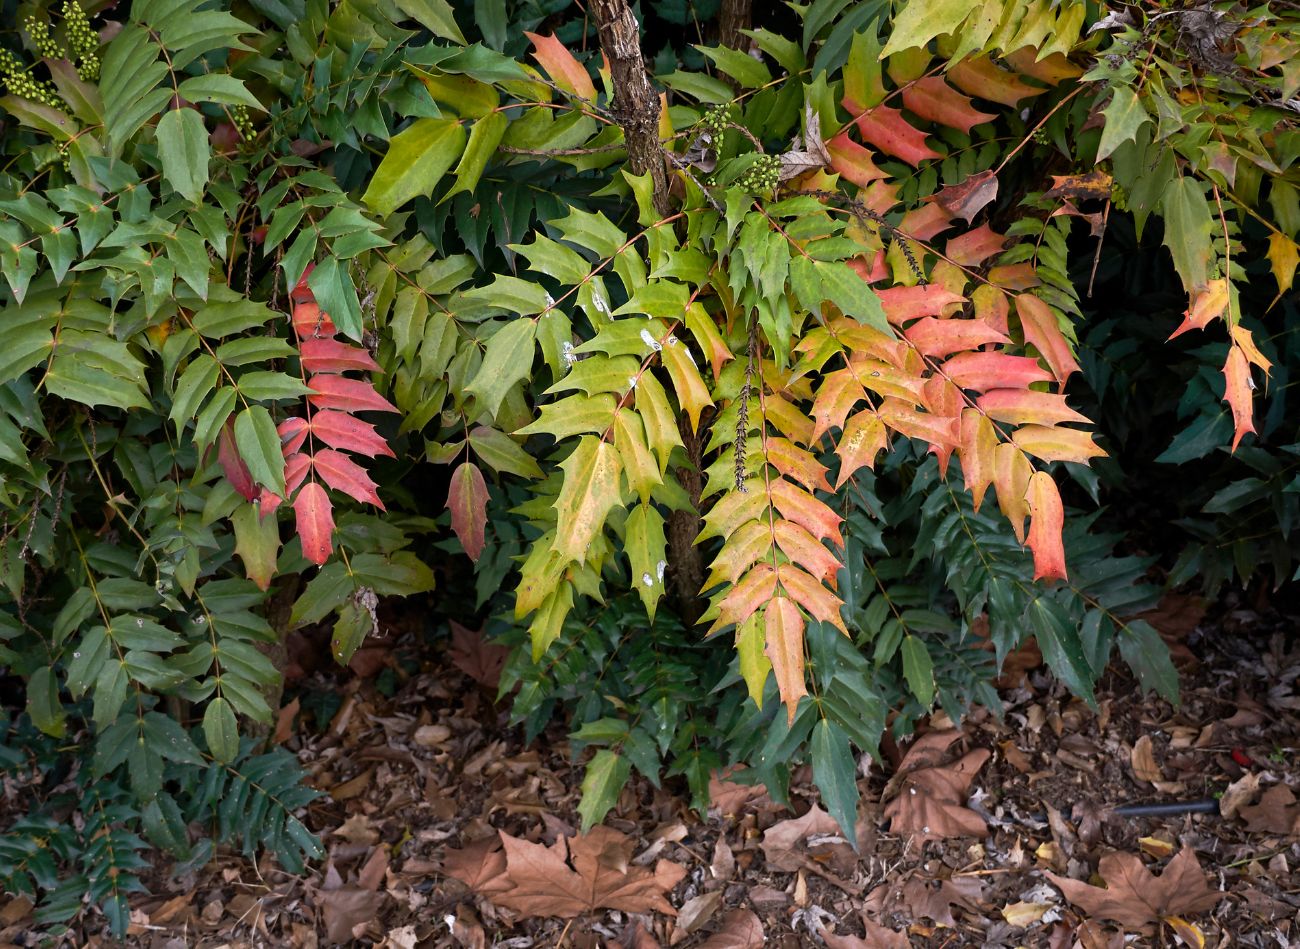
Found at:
<point>967,199</point>
<point>473,655</point>
<point>579,874</point>
<point>1137,899</point>
<point>1095,185</point>
<point>730,796</point>
<point>936,898</point>
<point>784,842</point>
<point>807,151</point>
<point>1237,794</point>
<point>696,912</point>
<point>480,865</point>
<point>931,799</point>
<point>741,929</point>
<point>1143,760</point>
<point>877,937</point>
<point>346,909</point>
<point>1276,813</point>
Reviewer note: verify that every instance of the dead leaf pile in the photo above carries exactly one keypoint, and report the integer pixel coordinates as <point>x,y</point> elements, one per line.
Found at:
<point>1276,813</point>
<point>575,875</point>
<point>1137,899</point>
<point>930,798</point>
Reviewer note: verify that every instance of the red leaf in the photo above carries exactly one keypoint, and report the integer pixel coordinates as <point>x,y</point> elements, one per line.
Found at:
<point>932,98</point>
<point>853,161</point>
<point>349,433</point>
<point>232,464</point>
<point>926,221</point>
<point>870,272</point>
<point>1048,519</point>
<point>863,438</point>
<point>886,128</point>
<point>974,247</point>
<point>980,77</point>
<point>1044,333</point>
<point>911,303</point>
<point>467,502</point>
<point>315,522</point>
<point>301,293</point>
<point>934,337</point>
<point>332,355</point>
<point>296,467</point>
<point>293,432</point>
<point>985,371</point>
<point>349,395</point>
<point>1237,393</point>
<point>310,322</point>
<point>804,509</point>
<point>343,474</point>
<point>268,502</point>
<point>565,71</point>
<point>838,393</point>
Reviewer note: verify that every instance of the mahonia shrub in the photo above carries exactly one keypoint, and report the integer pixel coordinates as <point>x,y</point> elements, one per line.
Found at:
<point>749,381</point>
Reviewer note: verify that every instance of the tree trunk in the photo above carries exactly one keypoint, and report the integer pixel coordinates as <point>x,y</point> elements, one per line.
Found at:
<point>636,104</point>
<point>735,16</point>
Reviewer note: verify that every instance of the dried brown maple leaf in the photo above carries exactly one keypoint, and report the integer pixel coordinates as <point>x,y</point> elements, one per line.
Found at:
<point>1137,899</point>
<point>578,874</point>
<point>481,866</point>
<point>1276,813</point>
<point>877,937</point>
<point>930,801</point>
<point>784,843</point>
<point>472,654</point>
<point>741,929</point>
<point>936,898</point>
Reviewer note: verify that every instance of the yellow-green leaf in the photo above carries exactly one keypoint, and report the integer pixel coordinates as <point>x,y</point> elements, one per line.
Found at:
<point>417,159</point>
<point>589,492</point>
<point>484,138</point>
<point>257,542</point>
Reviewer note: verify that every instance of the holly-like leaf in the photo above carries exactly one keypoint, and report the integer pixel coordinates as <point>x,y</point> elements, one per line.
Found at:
<point>565,71</point>
<point>259,447</point>
<point>1047,520</point>
<point>1043,332</point>
<point>932,98</point>
<point>184,151</point>
<point>331,355</point>
<point>257,543</point>
<point>416,160</point>
<point>330,391</point>
<point>346,433</point>
<point>467,501</point>
<point>589,492</point>
<point>314,517</point>
<point>1238,393</point>
<point>507,359</point>
<point>343,474</point>
<point>889,131</point>
<point>783,637</point>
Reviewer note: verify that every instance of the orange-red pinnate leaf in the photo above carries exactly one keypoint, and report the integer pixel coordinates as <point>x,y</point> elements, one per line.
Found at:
<point>967,199</point>
<point>1237,393</point>
<point>820,602</point>
<point>985,371</point>
<point>853,161</point>
<point>1021,276</point>
<point>296,468</point>
<point>293,432</point>
<point>804,509</point>
<point>1204,305</point>
<point>805,550</point>
<point>237,473</point>
<point>315,521</point>
<point>980,77</point>
<point>790,420</point>
<point>332,355</point>
<point>838,394</point>
<point>735,509</point>
<point>902,304</point>
<point>1242,337</point>
<point>302,292</point>
<point>889,381</point>
<point>974,247</point>
<point>746,546</point>
<point>348,433</point>
<point>330,391</point>
<point>1011,474</point>
<point>1051,69</point>
<point>1047,522</point>
<point>1027,407</point>
<point>746,597</point>
<point>784,626</point>
<point>886,128</point>
<point>939,431</point>
<point>935,337</point>
<point>1053,443</point>
<point>1043,332</point>
<point>796,463</point>
<point>565,71</point>
<point>978,443</point>
<point>872,271</point>
<point>343,474</point>
<point>863,438</point>
<point>467,501</point>
<point>926,221</point>
<point>309,322</point>
<point>932,98</point>
<point>867,341</point>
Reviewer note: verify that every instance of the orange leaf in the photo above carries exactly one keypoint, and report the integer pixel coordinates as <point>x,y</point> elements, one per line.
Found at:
<point>692,393</point>
<point>991,306</point>
<point>1027,407</point>
<point>467,501</point>
<point>886,128</point>
<point>1011,473</point>
<point>784,628</point>
<point>933,99</point>
<point>926,221</point>
<point>1238,393</point>
<point>862,439</point>
<point>797,464</point>
<point>1051,69</point>
<point>315,521</point>
<point>746,597</point>
<point>984,371</point>
<point>1043,332</point>
<point>838,393</point>
<point>1052,443</point>
<point>1048,520</point>
<point>1204,305</point>
<point>853,161</point>
<point>744,548</point>
<point>980,77</point>
<point>805,550</point>
<point>939,431</point>
<point>1241,337</point>
<point>890,381</point>
<point>1015,276</point>
<point>803,508</point>
<point>978,442</point>
<point>974,247</point>
<point>935,337</point>
<point>811,595</point>
<point>565,71</point>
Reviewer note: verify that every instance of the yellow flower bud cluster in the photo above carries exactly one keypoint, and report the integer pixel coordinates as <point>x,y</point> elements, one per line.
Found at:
<point>83,40</point>
<point>18,81</point>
